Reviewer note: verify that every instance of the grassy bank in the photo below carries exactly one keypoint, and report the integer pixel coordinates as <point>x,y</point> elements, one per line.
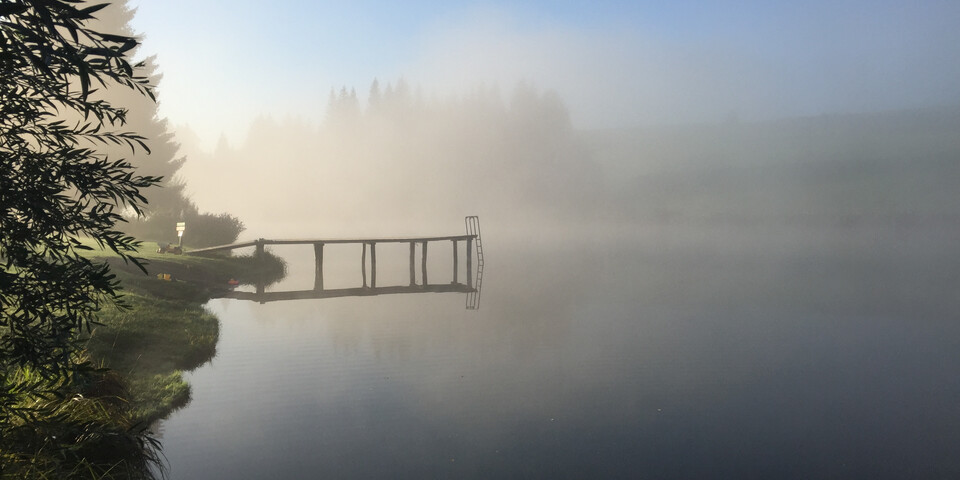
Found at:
<point>166,330</point>
<point>91,422</point>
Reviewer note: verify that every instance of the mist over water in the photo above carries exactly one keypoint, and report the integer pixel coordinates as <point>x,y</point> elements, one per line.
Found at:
<point>686,352</point>
<point>714,250</point>
<point>739,300</point>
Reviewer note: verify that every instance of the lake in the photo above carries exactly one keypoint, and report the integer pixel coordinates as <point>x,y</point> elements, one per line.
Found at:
<point>635,352</point>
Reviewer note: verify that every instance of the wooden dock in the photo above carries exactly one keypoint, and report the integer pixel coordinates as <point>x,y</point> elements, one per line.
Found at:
<point>472,277</point>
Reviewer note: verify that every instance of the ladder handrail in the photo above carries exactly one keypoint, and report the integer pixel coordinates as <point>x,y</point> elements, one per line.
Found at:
<point>472,224</point>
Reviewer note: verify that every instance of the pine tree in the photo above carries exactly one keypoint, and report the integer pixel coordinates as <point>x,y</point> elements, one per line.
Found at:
<point>142,113</point>
<point>375,99</point>
<point>167,202</point>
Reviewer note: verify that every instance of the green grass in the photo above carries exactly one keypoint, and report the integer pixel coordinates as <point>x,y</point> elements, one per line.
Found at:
<point>92,423</point>
<point>165,329</point>
<point>150,343</point>
<point>78,426</point>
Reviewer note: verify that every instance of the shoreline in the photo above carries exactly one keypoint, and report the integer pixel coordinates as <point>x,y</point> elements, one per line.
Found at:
<point>166,330</point>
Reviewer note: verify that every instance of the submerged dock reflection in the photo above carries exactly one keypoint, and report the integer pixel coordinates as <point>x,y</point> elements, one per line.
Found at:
<point>263,296</point>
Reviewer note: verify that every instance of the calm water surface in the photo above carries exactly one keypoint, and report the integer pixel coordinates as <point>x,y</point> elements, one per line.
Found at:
<point>693,353</point>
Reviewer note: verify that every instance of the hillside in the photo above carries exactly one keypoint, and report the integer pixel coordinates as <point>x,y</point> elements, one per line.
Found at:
<point>899,167</point>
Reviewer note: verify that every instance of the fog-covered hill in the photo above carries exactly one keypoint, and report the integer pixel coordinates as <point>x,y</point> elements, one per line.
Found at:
<point>900,167</point>
<point>407,160</point>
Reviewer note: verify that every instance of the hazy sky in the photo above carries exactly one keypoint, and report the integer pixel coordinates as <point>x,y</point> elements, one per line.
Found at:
<point>615,63</point>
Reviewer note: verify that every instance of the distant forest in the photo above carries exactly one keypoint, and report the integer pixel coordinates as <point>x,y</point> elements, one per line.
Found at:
<point>408,156</point>
<point>404,156</point>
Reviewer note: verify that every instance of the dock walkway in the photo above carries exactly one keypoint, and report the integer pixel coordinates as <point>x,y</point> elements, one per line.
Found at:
<point>473,278</point>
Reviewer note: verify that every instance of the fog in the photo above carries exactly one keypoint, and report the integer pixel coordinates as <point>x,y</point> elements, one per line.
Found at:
<point>827,114</point>
<point>709,62</point>
<point>614,65</point>
<point>719,238</point>
<point>404,161</point>
<point>410,162</point>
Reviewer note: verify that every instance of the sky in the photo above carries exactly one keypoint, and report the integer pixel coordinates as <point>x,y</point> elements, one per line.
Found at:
<point>615,64</point>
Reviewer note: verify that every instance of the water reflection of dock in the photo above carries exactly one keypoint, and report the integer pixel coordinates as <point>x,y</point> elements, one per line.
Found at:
<point>473,278</point>
<point>263,297</point>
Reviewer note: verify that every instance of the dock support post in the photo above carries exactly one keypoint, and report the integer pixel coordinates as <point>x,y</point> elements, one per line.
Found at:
<point>455,262</point>
<point>318,276</point>
<point>423,263</point>
<point>373,265</point>
<point>363,264</point>
<point>260,259</point>
<point>413,272</point>
<point>469,262</point>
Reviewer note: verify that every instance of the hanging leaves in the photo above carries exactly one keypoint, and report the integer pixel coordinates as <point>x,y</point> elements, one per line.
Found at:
<point>54,186</point>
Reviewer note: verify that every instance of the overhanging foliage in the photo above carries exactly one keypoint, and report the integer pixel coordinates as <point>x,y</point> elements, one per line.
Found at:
<point>54,187</point>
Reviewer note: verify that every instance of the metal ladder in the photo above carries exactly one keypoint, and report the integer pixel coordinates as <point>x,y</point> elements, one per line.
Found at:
<point>472,224</point>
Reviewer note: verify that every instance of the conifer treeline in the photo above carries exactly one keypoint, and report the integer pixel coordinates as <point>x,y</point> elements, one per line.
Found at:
<point>402,154</point>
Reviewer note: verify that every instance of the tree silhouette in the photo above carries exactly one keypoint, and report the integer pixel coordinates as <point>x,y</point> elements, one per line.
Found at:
<point>167,201</point>
<point>375,99</point>
<point>55,186</point>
